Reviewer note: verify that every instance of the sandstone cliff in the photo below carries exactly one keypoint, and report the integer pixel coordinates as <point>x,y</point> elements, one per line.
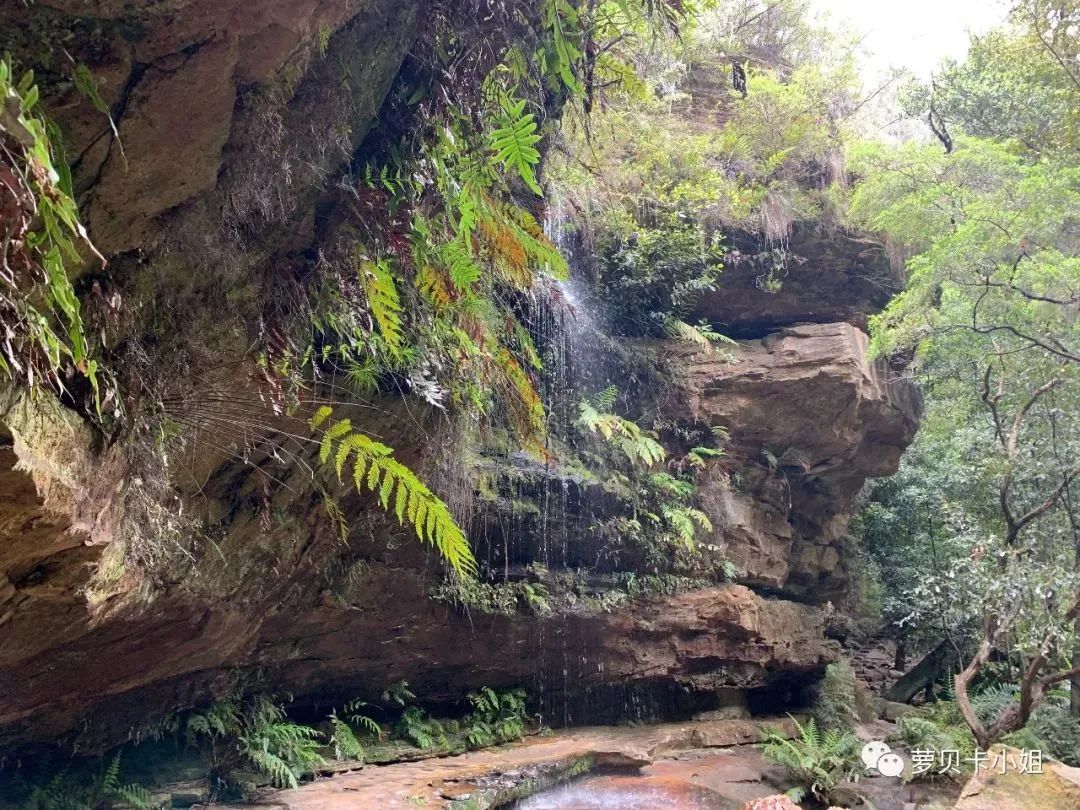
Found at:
<point>234,118</point>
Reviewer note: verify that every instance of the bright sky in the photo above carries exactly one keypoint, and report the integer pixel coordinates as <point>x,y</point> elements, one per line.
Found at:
<point>916,34</point>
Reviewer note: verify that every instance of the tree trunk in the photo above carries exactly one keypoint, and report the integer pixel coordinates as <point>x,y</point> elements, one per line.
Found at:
<point>1074,681</point>
<point>933,665</point>
<point>900,661</point>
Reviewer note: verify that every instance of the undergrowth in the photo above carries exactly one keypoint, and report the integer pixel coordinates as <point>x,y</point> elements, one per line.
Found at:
<point>817,761</point>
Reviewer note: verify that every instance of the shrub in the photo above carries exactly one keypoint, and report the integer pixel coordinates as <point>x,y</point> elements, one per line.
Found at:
<point>497,717</point>
<point>836,703</point>
<point>260,733</point>
<point>818,761</point>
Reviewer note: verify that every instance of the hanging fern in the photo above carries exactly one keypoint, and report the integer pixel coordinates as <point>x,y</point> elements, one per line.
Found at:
<point>463,269</point>
<point>525,408</point>
<point>563,54</point>
<point>514,143</point>
<point>621,433</point>
<point>605,400</point>
<point>382,294</point>
<point>685,521</point>
<point>374,469</point>
<point>44,335</point>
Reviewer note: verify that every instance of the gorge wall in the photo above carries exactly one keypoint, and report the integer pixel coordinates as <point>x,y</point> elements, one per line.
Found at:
<point>235,119</point>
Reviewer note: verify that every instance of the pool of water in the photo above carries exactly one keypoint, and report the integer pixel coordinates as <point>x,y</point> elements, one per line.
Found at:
<point>627,792</point>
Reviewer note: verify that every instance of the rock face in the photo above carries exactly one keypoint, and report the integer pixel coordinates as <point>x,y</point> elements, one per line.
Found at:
<point>811,418</point>
<point>822,276</point>
<point>228,123</point>
<point>188,82</point>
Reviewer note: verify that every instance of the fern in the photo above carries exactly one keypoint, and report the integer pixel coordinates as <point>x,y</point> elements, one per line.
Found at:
<point>463,269</point>
<point>605,400</point>
<point>382,294</point>
<point>623,434</point>
<point>137,797</point>
<point>352,710</point>
<point>133,794</point>
<point>514,143</point>
<point>282,750</point>
<point>685,520</point>
<point>373,468</point>
<point>343,740</point>
<point>563,54</point>
<point>222,719</point>
<point>420,729</point>
<point>38,342</point>
<point>817,761</point>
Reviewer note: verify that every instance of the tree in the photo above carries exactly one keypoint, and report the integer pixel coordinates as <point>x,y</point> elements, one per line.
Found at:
<point>990,314</point>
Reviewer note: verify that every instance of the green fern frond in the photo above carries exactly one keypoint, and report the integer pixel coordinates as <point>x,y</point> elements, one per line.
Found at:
<point>622,433</point>
<point>378,283</point>
<point>459,262</point>
<point>605,400</point>
<point>374,469</point>
<point>344,741</point>
<point>137,797</point>
<point>110,780</point>
<point>514,143</point>
<point>273,766</point>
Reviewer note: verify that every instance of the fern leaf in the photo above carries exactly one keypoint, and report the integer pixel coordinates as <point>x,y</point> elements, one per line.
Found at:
<point>321,415</point>
<point>463,269</point>
<point>335,431</point>
<point>514,143</point>
<point>376,470</point>
<point>382,294</point>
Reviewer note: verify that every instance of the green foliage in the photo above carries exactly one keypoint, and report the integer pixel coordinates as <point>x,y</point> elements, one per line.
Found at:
<point>818,761</point>
<point>374,469</point>
<point>134,795</point>
<point>420,729</point>
<point>1051,729</point>
<point>399,693</point>
<point>965,538</point>
<point>69,790</point>
<point>1013,83</point>
<point>514,143</point>
<point>835,703</point>
<point>378,283</point>
<point>344,740</point>
<point>283,750</point>
<point>661,193</point>
<point>257,733</point>
<point>497,717</point>
<point>505,598</point>
<point>623,434</point>
<point>343,735</point>
<point>45,338</point>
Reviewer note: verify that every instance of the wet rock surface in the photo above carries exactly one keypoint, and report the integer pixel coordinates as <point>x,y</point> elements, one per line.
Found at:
<point>454,781</point>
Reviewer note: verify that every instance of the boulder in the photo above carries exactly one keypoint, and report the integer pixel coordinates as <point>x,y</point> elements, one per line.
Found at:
<point>824,275</point>
<point>810,418</point>
<point>1057,787</point>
